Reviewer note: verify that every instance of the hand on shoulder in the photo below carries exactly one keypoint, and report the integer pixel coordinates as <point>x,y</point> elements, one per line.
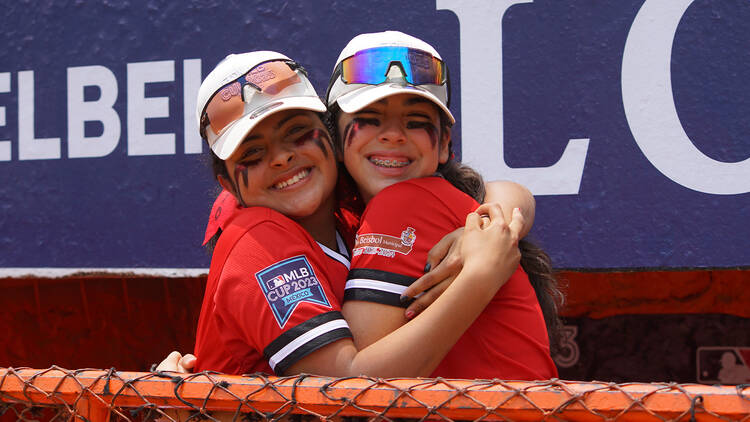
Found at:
<point>490,245</point>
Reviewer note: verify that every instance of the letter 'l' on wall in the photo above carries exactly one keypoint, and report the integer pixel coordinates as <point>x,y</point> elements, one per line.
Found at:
<point>482,96</point>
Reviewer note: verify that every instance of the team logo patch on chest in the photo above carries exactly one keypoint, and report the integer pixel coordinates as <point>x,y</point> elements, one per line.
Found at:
<point>385,245</point>
<point>288,283</point>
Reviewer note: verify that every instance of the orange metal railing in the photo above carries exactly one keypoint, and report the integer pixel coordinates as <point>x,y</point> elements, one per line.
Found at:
<point>98,395</point>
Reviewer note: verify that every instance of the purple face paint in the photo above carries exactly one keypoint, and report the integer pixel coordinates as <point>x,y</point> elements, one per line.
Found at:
<point>316,136</point>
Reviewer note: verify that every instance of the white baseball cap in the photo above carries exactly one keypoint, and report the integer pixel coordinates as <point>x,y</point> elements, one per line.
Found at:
<point>390,78</point>
<point>244,89</point>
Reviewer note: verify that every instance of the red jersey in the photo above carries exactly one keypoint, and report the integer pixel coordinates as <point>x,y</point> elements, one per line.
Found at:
<point>399,226</point>
<point>273,295</point>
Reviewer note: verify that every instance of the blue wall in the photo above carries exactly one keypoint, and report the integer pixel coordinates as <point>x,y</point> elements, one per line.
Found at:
<point>562,80</point>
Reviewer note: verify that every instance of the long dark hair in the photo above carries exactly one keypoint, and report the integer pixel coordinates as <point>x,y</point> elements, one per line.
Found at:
<point>535,262</point>
<point>549,293</point>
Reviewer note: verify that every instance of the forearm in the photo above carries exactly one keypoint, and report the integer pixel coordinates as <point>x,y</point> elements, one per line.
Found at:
<point>492,254</point>
<point>371,321</point>
<point>416,348</point>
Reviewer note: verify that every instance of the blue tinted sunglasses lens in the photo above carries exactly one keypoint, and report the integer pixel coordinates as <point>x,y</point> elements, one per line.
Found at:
<point>371,66</point>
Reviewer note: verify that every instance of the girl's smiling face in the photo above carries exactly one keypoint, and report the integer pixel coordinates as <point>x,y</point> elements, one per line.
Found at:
<point>285,163</point>
<point>394,139</point>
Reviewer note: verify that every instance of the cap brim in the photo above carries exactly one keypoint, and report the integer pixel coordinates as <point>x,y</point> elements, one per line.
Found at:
<point>232,137</point>
<point>358,99</point>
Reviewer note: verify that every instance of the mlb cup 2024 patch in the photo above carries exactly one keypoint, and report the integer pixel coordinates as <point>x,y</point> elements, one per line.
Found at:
<point>288,283</point>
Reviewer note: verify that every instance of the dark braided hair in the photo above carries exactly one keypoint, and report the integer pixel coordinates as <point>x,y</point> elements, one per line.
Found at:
<point>535,262</point>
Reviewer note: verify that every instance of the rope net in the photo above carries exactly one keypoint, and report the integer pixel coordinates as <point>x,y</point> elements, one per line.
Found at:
<point>98,395</point>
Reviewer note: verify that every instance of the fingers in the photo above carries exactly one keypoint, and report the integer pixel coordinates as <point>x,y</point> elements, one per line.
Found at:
<point>420,285</point>
<point>495,213</point>
<point>493,246</point>
<point>516,224</point>
<point>422,302</point>
<point>448,267</point>
<point>175,362</point>
<point>170,362</point>
<point>427,281</point>
<point>493,210</point>
<point>186,364</point>
<point>438,252</point>
<point>473,221</point>
<point>443,260</point>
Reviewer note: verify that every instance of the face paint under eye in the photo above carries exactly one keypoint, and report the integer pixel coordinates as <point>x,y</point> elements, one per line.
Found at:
<point>428,127</point>
<point>316,136</point>
<point>240,170</point>
<point>351,129</point>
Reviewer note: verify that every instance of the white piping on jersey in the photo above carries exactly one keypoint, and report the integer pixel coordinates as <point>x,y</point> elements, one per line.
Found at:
<point>342,246</point>
<point>340,256</point>
<point>384,286</point>
<point>304,338</point>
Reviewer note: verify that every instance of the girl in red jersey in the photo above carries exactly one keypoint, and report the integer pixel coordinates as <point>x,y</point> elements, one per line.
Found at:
<point>272,300</point>
<point>388,100</point>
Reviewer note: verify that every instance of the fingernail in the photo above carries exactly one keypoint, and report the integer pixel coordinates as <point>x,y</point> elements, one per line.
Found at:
<point>427,267</point>
<point>404,299</point>
<point>409,314</point>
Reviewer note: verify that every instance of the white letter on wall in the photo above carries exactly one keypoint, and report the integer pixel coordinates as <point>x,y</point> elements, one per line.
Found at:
<point>191,81</point>
<point>651,111</point>
<point>482,95</point>
<point>4,144</point>
<point>81,111</point>
<point>140,108</point>
<point>28,147</point>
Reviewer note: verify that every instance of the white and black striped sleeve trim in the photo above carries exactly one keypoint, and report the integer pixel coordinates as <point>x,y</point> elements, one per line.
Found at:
<point>376,286</point>
<point>304,339</point>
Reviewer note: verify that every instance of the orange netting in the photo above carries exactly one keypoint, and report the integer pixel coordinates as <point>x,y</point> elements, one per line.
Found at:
<point>97,395</point>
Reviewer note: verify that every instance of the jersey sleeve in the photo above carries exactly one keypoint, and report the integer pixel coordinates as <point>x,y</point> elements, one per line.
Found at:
<point>399,227</point>
<point>274,295</point>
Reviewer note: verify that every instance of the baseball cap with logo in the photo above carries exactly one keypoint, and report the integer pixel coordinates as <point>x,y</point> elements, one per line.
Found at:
<point>244,89</point>
<point>377,65</point>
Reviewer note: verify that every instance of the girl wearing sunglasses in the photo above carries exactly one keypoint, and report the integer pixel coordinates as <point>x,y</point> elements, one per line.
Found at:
<point>388,105</point>
<point>277,274</point>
